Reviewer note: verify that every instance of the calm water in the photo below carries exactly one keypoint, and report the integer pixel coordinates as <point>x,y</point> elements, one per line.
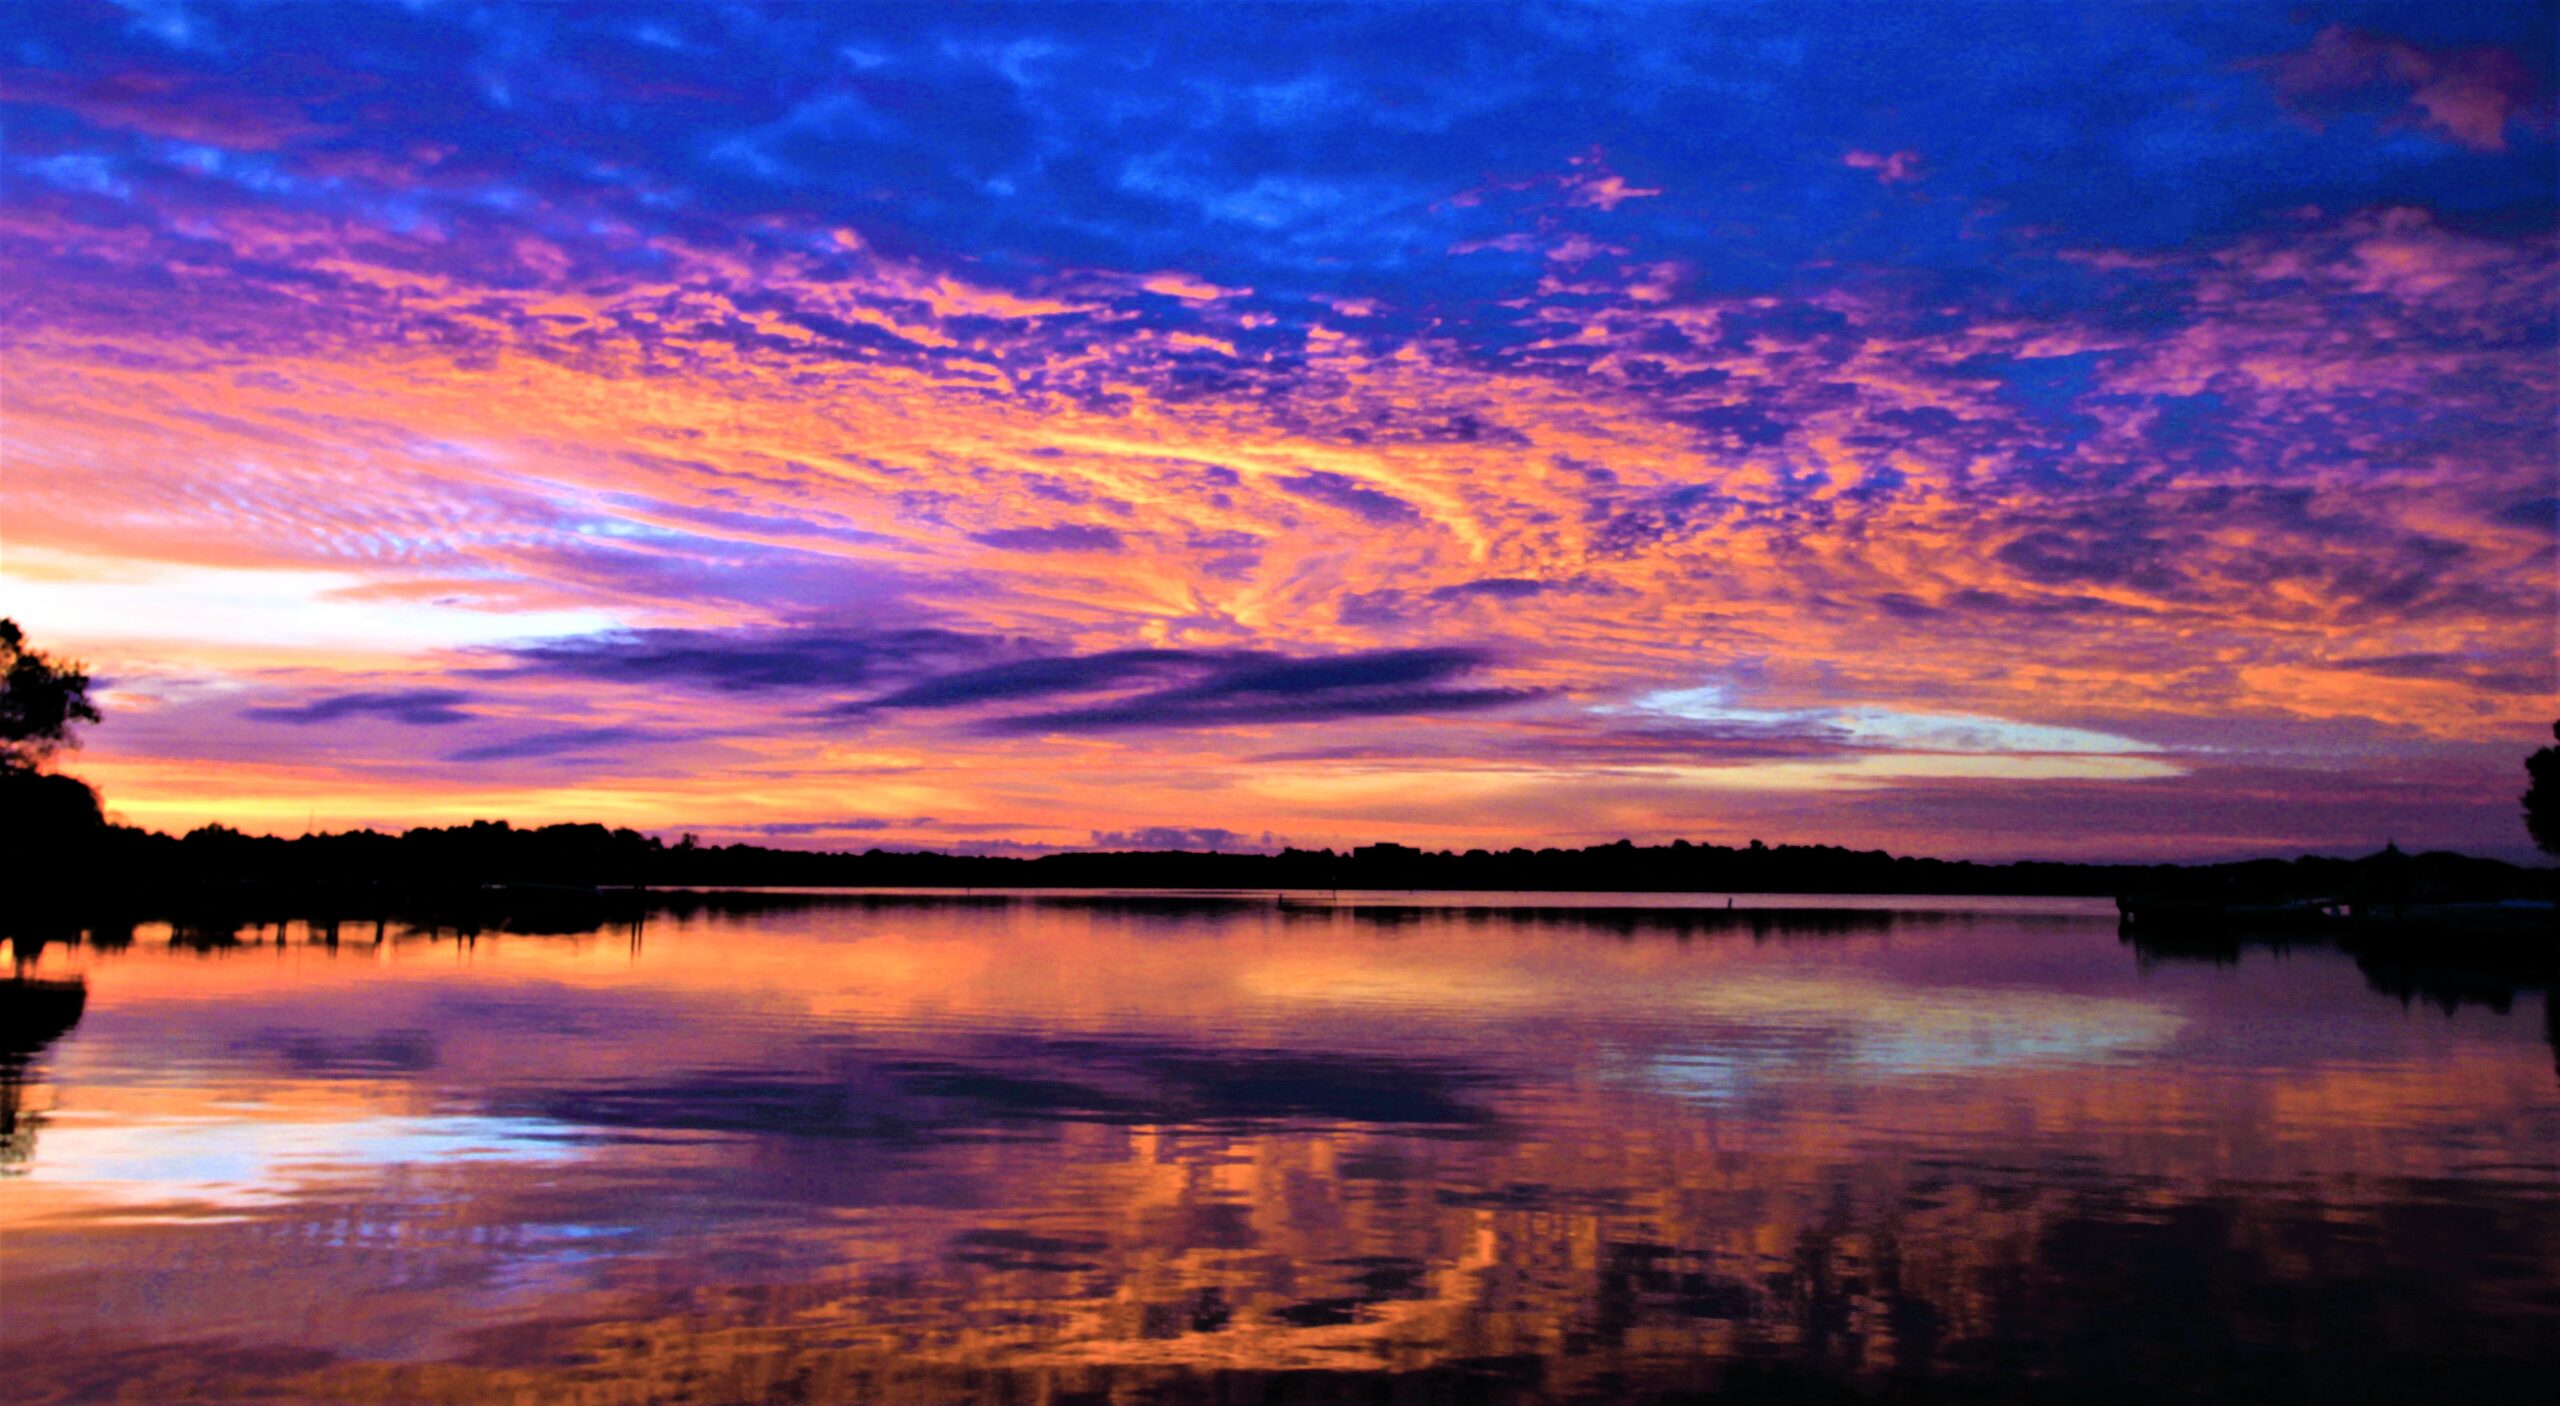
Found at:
<point>1171,1150</point>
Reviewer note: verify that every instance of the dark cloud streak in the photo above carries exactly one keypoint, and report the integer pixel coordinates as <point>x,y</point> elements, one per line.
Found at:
<point>555,743</point>
<point>740,661</point>
<point>1124,689</point>
<point>417,707</point>
<point>1251,689</point>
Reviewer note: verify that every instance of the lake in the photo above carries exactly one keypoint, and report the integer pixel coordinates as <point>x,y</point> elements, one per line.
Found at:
<point>1153,1148</point>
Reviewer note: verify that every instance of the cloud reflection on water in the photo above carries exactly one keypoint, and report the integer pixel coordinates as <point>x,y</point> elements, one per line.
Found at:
<point>908,1151</point>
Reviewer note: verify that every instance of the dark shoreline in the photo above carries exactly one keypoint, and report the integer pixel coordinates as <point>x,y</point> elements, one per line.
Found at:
<point>121,869</point>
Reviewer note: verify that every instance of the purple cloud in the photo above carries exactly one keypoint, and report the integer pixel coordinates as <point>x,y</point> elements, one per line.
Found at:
<point>1065,537</point>
<point>417,707</point>
<point>1183,837</point>
<point>749,660</point>
<point>1177,688</point>
<point>557,742</point>
<point>1249,689</point>
<point>1351,495</point>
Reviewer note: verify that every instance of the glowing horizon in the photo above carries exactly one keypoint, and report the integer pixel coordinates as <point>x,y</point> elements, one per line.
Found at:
<point>1993,432</point>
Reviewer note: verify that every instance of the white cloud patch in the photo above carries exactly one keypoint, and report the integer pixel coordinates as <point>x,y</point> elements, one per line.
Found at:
<point>1887,729</point>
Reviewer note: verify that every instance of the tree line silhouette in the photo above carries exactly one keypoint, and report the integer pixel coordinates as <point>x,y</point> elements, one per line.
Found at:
<point>148,874</point>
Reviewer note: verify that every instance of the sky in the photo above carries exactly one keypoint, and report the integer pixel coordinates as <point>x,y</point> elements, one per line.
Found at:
<point>1984,430</point>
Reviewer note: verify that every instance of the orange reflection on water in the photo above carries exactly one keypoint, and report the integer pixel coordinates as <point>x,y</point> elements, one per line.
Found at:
<point>939,1151</point>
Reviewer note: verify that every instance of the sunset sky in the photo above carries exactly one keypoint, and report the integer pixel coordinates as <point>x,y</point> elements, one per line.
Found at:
<point>1980,430</point>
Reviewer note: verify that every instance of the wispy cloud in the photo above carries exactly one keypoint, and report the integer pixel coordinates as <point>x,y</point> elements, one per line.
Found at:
<point>418,707</point>
<point>552,743</point>
<point>1145,689</point>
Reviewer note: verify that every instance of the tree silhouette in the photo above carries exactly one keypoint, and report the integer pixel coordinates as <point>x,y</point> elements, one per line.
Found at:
<point>49,824</point>
<point>41,700</point>
<point>2542,796</point>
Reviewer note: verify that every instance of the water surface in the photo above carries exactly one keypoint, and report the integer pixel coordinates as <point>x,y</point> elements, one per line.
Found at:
<point>1481,1147</point>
